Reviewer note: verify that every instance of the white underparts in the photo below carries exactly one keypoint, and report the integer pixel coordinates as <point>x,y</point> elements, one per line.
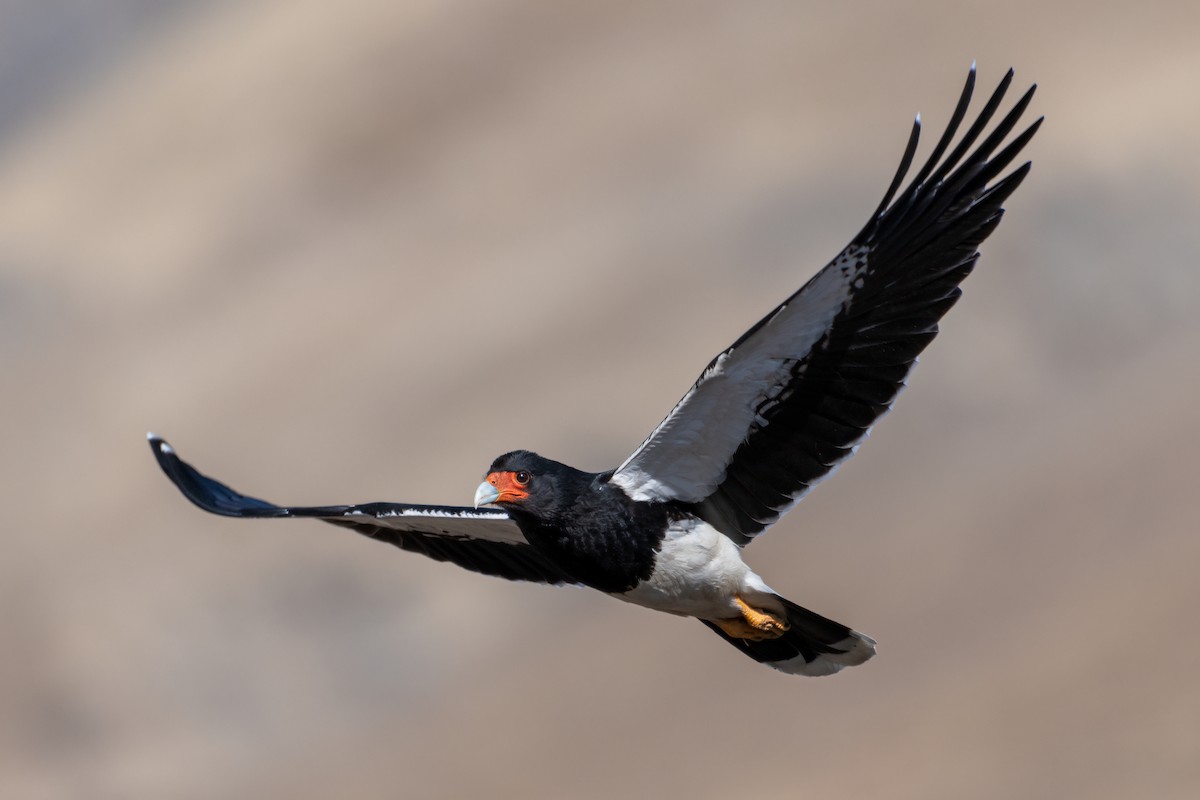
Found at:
<point>697,573</point>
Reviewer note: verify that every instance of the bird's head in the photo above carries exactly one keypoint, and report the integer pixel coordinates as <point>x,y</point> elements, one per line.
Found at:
<point>525,481</point>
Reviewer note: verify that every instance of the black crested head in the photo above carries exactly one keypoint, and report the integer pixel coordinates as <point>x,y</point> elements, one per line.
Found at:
<point>520,460</point>
<point>539,486</point>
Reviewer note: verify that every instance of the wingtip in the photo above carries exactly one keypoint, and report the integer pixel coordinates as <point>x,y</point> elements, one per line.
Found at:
<point>159,444</point>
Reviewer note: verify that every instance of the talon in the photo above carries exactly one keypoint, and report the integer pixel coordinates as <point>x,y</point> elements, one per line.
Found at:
<point>754,625</point>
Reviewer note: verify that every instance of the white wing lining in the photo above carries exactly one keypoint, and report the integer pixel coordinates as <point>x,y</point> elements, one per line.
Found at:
<point>685,457</point>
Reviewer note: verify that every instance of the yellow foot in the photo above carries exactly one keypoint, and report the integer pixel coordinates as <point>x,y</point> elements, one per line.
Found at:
<point>753,625</point>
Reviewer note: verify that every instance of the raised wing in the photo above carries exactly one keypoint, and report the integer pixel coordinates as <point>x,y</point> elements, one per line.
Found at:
<point>793,397</point>
<point>481,540</point>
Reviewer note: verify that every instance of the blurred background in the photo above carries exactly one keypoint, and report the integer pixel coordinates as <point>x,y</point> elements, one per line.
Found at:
<point>351,252</point>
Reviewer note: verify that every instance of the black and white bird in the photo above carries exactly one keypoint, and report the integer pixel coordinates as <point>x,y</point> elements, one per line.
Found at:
<point>767,419</point>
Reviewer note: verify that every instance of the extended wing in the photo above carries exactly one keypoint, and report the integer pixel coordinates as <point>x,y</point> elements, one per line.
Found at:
<point>481,540</point>
<point>793,397</point>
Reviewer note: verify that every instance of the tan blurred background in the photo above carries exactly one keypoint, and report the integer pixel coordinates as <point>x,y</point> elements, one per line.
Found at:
<point>351,251</point>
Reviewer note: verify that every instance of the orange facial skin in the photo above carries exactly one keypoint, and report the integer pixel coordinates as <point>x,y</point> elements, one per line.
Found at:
<point>511,488</point>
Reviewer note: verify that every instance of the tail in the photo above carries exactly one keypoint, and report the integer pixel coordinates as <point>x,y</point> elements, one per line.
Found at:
<point>813,645</point>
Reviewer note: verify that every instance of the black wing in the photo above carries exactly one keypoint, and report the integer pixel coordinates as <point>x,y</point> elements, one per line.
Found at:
<point>481,540</point>
<point>793,397</point>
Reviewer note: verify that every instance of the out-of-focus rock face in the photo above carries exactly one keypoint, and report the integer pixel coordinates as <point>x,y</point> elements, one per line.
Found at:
<point>349,252</point>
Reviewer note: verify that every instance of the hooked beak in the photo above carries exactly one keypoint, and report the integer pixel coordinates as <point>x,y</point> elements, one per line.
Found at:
<point>500,487</point>
<point>485,494</point>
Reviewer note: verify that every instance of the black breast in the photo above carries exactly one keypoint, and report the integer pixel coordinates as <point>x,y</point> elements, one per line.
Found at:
<point>603,540</point>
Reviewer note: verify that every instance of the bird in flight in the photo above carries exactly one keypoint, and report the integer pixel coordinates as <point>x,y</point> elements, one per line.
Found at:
<point>767,419</point>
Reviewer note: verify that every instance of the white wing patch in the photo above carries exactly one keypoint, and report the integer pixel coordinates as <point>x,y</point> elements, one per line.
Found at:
<point>686,456</point>
<point>451,523</point>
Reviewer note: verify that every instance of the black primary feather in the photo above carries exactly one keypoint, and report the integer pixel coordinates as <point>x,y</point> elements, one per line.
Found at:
<point>481,540</point>
<point>916,250</point>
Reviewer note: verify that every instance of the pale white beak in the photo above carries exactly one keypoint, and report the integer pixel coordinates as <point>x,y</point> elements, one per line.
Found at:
<point>486,493</point>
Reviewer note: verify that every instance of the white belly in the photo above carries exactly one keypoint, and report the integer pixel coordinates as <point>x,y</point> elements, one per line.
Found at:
<point>698,573</point>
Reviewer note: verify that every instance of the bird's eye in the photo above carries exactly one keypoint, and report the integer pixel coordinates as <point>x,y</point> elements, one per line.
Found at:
<point>522,478</point>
